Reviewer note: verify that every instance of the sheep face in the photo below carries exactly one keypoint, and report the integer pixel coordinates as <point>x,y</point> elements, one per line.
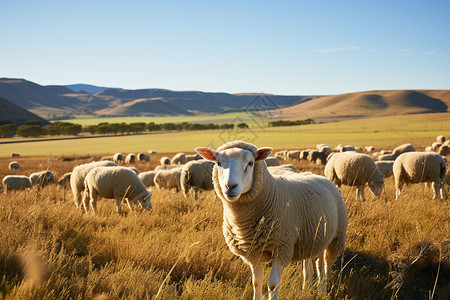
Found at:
<point>145,201</point>
<point>376,186</point>
<point>235,168</point>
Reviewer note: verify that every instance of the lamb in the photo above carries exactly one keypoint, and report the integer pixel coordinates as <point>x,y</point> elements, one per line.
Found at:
<point>282,170</point>
<point>65,179</point>
<point>385,167</point>
<point>130,158</point>
<point>197,175</point>
<point>168,179</point>
<point>143,157</point>
<point>13,166</point>
<point>79,174</point>
<point>42,178</point>
<point>283,219</point>
<point>403,149</point>
<point>355,169</point>
<point>148,178</point>
<point>15,182</point>
<point>179,158</point>
<point>118,157</point>
<point>415,167</point>
<point>164,161</point>
<point>272,161</point>
<point>115,183</point>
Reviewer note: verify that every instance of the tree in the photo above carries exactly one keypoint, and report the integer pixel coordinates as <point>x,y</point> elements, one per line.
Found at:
<point>7,130</point>
<point>30,130</point>
<point>242,125</point>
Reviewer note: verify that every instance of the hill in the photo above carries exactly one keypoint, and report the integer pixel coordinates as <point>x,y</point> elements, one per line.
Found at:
<point>86,88</point>
<point>18,115</point>
<point>370,104</point>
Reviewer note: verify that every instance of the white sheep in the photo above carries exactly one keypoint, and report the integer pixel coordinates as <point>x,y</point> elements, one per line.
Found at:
<point>326,150</point>
<point>347,148</point>
<point>440,139</point>
<point>281,154</point>
<point>13,166</point>
<point>283,219</point>
<point>317,157</point>
<point>130,158</point>
<point>293,155</point>
<point>15,182</point>
<point>179,158</point>
<point>282,170</point>
<point>191,157</point>
<point>143,157</point>
<point>164,161</point>
<point>115,183</point>
<point>355,169</point>
<point>435,146</point>
<point>386,157</point>
<point>79,174</point>
<point>403,149</point>
<point>416,167</point>
<point>152,151</point>
<point>148,177</point>
<point>369,148</point>
<point>197,175</point>
<point>168,179</point>
<point>65,179</point>
<point>272,161</point>
<point>42,178</point>
<point>118,157</point>
<point>385,167</point>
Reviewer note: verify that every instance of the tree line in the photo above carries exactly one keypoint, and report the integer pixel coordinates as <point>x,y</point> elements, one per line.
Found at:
<point>290,123</point>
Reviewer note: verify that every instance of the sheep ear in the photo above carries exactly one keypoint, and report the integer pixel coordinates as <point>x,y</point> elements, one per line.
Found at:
<point>263,153</point>
<point>207,153</point>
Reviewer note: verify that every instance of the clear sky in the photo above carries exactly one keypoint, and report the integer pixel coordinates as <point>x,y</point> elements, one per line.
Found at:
<point>282,47</point>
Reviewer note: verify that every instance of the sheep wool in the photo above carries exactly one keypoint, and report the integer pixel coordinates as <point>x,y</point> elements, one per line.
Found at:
<point>197,175</point>
<point>285,218</point>
<point>147,178</point>
<point>14,165</point>
<point>179,158</point>
<point>42,178</point>
<point>15,182</point>
<point>385,167</point>
<point>168,179</point>
<point>403,149</point>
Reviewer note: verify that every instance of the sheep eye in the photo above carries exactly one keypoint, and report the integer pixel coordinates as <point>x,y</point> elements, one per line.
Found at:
<point>250,163</point>
<point>219,164</point>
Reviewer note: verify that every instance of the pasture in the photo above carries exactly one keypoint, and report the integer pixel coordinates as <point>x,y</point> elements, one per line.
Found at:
<point>51,250</point>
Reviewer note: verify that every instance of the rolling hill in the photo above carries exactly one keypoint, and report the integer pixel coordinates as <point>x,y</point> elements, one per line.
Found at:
<point>370,104</point>
<point>17,114</point>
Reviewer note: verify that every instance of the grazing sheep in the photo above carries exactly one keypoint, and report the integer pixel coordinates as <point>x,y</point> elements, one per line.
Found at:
<point>166,167</point>
<point>435,146</point>
<point>147,178</point>
<point>355,169</point>
<point>369,148</point>
<point>282,170</point>
<point>191,157</point>
<point>118,157</point>
<point>304,154</point>
<point>440,139</point>
<point>79,174</point>
<point>428,149</point>
<point>283,219</point>
<point>338,148</point>
<point>444,150</point>
<point>197,175</point>
<point>272,161</point>
<point>164,161</point>
<point>151,151</point>
<point>42,178</point>
<point>130,158</point>
<point>115,183</point>
<point>15,154</point>
<point>15,182</point>
<point>178,159</point>
<point>168,179</point>
<point>386,157</point>
<point>13,166</point>
<point>316,156</point>
<point>347,148</point>
<point>403,149</point>
<point>108,157</point>
<point>65,179</point>
<point>383,152</point>
<point>281,154</point>
<point>326,150</point>
<point>385,167</point>
<point>143,157</point>
<point>415,167</point>
<point>293,155</point>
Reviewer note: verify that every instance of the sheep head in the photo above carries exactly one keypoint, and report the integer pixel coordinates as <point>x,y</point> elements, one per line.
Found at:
<point>376,185</point>
<point>235,168</point>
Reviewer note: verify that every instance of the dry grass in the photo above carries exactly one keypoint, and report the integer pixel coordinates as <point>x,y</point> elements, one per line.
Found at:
<point>50,250</point>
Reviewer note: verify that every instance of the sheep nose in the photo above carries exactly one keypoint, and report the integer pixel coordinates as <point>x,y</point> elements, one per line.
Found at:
<point>231,186</point>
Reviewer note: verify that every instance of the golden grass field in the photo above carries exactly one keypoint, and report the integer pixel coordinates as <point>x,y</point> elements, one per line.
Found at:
<point>51,250</point>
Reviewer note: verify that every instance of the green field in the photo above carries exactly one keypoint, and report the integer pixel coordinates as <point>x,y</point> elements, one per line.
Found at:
<point>385,132</point>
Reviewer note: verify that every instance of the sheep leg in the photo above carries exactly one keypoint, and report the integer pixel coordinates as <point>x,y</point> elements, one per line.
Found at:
<point>274,279</point>
<point>307,272</point>
<point>119,203</point>
<point>93,202</point>
<point>321,267</point>
<point>196,192</point>
<point>84,200</point>
<point>257,279</point>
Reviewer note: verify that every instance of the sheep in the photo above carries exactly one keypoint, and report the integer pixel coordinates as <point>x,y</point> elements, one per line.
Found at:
<point>316,156</point>
<point>166,167</point>
<point>347,148</point>
<point>118,157</point>
<point>355,169</point>
<point>272,161</point>
<point>191,157</point>
<point>15,182</point>
<point>440,139</point>
<point>386,157</point>
<point>134,169</point>
<point>283,219</point>
<point>197,175</point>
<point>444,150</point>
<point>326,150</point>
<point>115,183</point>
<point>151,151</point>
<point>65,179</point>
<point>281,154</point>
<point>168,179</point>
<point>79,174</point>
<point>42,178</point>
<point>369,148</point>
<point>130,158</point>
<point>435,146</point>
<point>282,170</point>
<point>143,157</point>
<point>15,154</point>
<point>13,166</point>
<point>164,161</point>
<point>403,149</point>
<point>428,149</point>
<point>179,158</point>
<point>293,155</point>
<point>415,167</point>
<point>385,167</point>
<point>107,157</point>
<point>148,178</point>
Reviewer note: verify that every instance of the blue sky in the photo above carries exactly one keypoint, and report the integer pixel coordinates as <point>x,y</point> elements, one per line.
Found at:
<point>280,47</point>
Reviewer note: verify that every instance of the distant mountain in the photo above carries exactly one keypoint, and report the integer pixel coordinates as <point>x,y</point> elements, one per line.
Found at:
<point>370,104</point>
<point>17,114</point>
<point>91,89</point>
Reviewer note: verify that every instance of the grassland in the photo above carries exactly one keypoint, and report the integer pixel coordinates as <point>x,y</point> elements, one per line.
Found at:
<point>50,250</point>
<point>384,132</point>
